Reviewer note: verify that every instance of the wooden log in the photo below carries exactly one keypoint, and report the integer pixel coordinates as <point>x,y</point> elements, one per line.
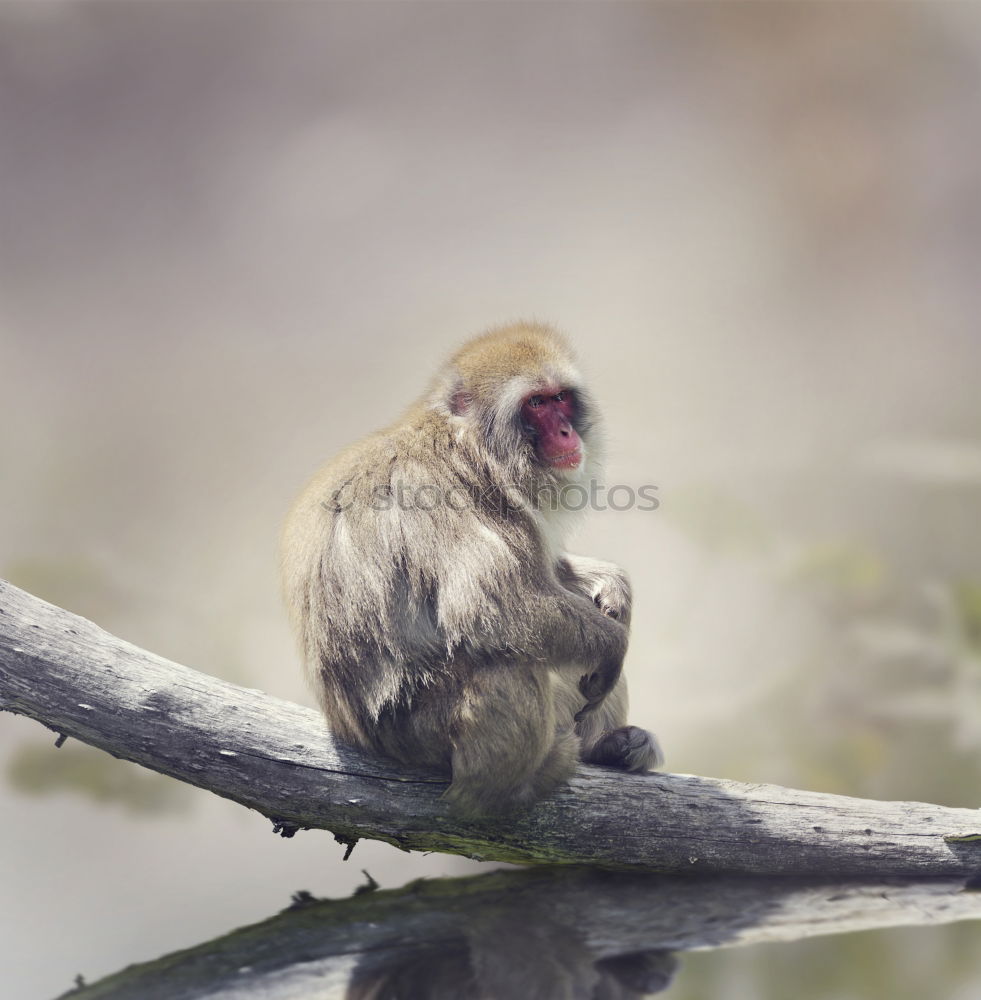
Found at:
<point>278,758</point>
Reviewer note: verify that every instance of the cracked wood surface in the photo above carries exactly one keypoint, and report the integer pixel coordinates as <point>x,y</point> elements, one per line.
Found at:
<point>277,758</point>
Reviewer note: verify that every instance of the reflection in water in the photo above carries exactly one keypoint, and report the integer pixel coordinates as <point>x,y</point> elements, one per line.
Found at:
<point>542,934</point>
<point>508,951</point>
<point>470,970</point>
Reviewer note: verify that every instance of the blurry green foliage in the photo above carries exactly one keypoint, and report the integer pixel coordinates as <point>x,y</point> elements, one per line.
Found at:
<point>847,568</point>
<point>717,519</point>
<point>967,604</point>
<point>82,770</point>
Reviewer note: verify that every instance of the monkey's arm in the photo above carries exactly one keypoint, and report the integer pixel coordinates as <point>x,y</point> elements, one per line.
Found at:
<point>498,600</point>
<point>554,626</point>
<point>569,630</point>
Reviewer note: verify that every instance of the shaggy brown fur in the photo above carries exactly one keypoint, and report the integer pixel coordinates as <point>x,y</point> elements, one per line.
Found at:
<point>440,621</point>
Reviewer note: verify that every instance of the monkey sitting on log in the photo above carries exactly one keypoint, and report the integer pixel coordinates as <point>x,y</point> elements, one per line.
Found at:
<point>439,618</point>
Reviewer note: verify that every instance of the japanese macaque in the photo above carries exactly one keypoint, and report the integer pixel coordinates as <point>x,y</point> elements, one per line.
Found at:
<point>439,618</point>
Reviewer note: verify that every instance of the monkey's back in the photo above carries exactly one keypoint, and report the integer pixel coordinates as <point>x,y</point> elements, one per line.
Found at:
<point>392,563</point>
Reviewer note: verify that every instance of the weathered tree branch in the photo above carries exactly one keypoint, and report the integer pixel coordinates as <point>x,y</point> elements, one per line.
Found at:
<point>277,758</point>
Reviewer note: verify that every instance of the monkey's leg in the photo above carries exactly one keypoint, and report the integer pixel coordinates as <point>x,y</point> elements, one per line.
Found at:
<point>507,751</point>
<point>604,736</point>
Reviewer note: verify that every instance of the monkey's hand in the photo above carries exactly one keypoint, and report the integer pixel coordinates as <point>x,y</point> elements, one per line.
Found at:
<point>612,597</point>
<point>597,685</point>
<point>604,583</point>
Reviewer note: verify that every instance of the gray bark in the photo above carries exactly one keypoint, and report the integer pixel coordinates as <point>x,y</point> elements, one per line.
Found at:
<point>544,933</point>
<point>277,758</point>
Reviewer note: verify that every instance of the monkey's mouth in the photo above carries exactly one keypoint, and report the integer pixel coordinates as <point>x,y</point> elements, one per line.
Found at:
<point>566,460</point>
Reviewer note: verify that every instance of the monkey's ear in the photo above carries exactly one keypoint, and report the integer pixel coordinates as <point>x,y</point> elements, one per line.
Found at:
<point>460,402</point>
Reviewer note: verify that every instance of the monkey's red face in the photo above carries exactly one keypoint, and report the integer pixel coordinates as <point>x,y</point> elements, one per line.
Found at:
<point>548,416</point>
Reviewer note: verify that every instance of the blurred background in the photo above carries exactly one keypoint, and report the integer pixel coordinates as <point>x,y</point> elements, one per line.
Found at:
<point>237,236</point>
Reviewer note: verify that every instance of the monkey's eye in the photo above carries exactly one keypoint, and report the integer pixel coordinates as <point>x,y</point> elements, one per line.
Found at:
<point>536,400</point>
<point>561,397</point>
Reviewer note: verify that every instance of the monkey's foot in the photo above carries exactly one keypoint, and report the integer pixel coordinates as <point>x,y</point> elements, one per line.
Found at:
<point>641,971</point>
<point>630,748</point>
